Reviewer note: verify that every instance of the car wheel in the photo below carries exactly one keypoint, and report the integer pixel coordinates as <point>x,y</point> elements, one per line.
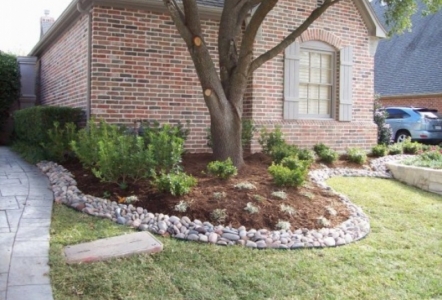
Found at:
<point>401,136</point>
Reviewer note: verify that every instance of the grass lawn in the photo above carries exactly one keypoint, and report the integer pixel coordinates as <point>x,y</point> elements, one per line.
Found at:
<point>400,259</point>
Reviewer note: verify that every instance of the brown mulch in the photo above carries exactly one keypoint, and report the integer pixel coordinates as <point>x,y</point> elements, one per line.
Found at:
<point>310,202</point>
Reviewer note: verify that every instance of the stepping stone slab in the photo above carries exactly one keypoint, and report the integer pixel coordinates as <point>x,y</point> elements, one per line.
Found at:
<point>119,246</point>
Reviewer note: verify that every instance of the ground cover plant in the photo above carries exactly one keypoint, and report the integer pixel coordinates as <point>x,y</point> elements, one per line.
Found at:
<point>399,259</point>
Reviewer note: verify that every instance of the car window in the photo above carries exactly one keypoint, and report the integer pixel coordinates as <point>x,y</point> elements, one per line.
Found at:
<point>395,113</point>
<point>430,115</point>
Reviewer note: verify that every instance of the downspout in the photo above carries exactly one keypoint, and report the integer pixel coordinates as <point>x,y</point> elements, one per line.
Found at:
<point>88,58</point>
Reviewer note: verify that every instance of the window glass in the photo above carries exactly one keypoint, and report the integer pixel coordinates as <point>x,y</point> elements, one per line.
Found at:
<point>316,83</point>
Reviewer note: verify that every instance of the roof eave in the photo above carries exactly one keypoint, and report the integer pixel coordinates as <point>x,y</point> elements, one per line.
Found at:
<point>72,12</point>
<point>375,27</point>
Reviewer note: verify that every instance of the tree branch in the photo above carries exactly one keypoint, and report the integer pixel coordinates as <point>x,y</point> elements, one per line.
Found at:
<point>192,16</point>
<point>260,60</point>
<point>178,18</point>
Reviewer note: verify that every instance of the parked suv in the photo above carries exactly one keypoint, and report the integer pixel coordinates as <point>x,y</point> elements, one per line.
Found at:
<point>421,124</point>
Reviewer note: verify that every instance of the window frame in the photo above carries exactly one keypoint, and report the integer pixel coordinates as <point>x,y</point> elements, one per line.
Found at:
<point>322,48</point>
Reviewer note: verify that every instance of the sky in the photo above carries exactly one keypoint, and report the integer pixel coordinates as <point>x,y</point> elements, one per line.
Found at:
<point>20,22</point>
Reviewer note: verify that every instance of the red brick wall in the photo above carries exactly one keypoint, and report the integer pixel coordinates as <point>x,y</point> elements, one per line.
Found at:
<point>141,69</point>
<point>347,29</point>
<point>63,68</point>
<point>433,101</point>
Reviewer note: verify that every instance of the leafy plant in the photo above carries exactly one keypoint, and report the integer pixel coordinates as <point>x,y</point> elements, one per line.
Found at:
<point>323,221</point>
<point>147,127</point>
<point>395,149</point>
<point>268,140</point>
<point>410,147</point>
<point>356,155</point>
<point>294,163</point>
<point>328,155</point>
<point>58,148</point>
<point>430,159</point>
<point>182,206</point>
<point>219,215</point>
<point>280,194</point>
<point>222,169</point>
<point>9,84</point>
<point>86,145</point>
<point>284,176</point>
<point>379,150</point>
<point>177,184</point>
<point>385,133</point>
<point>306,154</point>
<point>251,208</point>
<point>287,209</point>
<point>318,148</point>
<point>283,225</point>
<point>280,151</point>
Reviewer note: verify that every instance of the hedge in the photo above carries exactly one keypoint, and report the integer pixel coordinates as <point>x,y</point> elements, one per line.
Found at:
<point>9,83</point>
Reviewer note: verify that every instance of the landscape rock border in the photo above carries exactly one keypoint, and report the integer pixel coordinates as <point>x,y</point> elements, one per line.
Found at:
<point>355,228</point>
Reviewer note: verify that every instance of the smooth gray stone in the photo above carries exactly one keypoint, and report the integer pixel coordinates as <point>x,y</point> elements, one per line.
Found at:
<point>193,237</point>
<point>9,202</point>
<point>213,237</point>
<point>37,213</point>
<point>3,282</point>
<point>231,236</point>
<point>298,245</point>
<point>6,243</point>
<point>329,241</point>
<point>121,220</point>
<point>40,202</point>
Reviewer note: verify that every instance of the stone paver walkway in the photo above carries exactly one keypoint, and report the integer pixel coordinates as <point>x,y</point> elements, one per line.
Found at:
<point>25,217</point>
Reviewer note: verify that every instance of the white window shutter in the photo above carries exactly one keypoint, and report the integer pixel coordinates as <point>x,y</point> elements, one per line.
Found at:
<point>346,84</point>
<point>291,81</point>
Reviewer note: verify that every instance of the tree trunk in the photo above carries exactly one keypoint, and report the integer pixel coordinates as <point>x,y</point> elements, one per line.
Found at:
<point>226,128</point>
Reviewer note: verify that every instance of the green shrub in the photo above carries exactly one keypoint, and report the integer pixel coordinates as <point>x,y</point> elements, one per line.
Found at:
<point>247,133</point>
<point>177,184</point>
<point>31,125</point>
<point>356,155</point>
<point>222,169</point>
<point>430,159</point>
<point>268,140</point>
<point>328,156</point>
<point>166,147</point>
<point>86,145</point>
<point>385,133</point>
<point>123,158</point>
<point>320,147</point>
<point>410,147</point>
<point>280,151</point>
<point>149,127</point>
<point>294,163</point>
<point>395,149</point>
<point>58,149</point>
<point>31,153</point>
<point>379,150</point>
<point>283,176</point>
<point>9,84</point>
<point>307,155</point>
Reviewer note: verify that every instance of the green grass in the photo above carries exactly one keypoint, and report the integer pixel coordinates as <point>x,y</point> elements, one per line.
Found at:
<point>400,259</point>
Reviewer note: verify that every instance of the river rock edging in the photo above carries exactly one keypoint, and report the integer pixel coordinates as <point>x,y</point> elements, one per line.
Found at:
<point>355,228</point>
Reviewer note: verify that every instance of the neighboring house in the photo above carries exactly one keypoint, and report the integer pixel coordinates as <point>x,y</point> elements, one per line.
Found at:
<point>123,60</point>
<point>408,67</point>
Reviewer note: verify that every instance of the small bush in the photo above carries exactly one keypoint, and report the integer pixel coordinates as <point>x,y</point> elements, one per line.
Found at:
<point>31,125</point>
<point>177,184</point>
<point>283,176</point>
<point>219,215</point>
<point>288,209</point>
<point>395,149</point>
<point>385,133</point>
<point>318,148</point>
<point>58,149</point>
<point>307,155</point>
<point>356,155</point>
<point>268,140</point>
<point>154,127</point>
<point>379,150</point>
<point>222,169</point>
<point>410,147</point>
<point>283,225</point>
<point>251,208</point>
<point>281,151</point>
<point>181,206</point>
<point>294,163</point>
<point>328,156</point>
<point>86,145</point>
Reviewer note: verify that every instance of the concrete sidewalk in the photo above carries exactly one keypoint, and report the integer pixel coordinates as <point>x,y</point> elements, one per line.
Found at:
<point>25,216</point>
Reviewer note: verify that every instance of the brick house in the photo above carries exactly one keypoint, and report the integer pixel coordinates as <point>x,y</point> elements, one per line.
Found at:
<point>123,60</point>
<point>408,67</point>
